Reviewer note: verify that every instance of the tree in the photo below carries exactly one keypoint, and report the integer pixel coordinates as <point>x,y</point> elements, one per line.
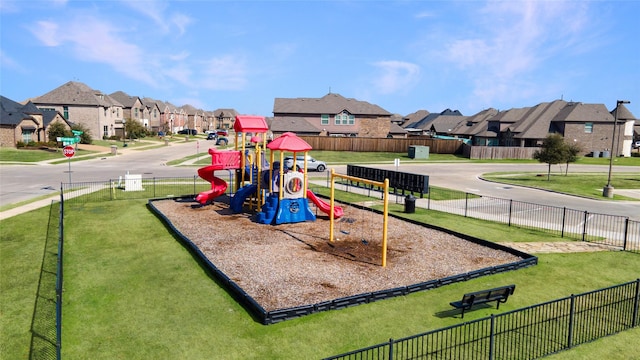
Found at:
<point>573,149</point>
<point>85,138</point>
<point>135,129</point>
<point>57,129</point>
<point>553,151</point>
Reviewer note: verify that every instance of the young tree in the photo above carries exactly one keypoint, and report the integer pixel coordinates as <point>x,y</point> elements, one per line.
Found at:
<point>56,130</point>
<point>85,138</point>
<point>553,151</point>
<point>572,149</point>
<point>135,129</point>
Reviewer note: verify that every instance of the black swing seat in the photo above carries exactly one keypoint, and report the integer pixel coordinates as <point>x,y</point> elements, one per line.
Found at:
<point>499,295</point>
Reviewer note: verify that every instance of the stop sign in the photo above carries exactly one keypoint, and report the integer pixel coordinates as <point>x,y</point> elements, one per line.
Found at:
<point>69,151</point>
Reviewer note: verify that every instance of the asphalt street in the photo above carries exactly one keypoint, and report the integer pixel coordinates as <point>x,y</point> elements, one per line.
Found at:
<point>24,182</point>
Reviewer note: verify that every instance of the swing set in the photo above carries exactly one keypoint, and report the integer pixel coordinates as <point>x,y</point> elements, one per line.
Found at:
<point>385,213</point>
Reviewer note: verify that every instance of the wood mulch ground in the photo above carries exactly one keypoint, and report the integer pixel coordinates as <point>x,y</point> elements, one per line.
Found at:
<point>288,265</point>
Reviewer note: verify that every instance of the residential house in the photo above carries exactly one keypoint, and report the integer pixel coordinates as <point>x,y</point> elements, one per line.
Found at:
<point>195,118</point>
<point>224,118</point>
<point>413,118</point>
<point>331,115</point>
<point>132,108</point>
<point>100,114</point>
<point>588,125</point>
<point>474,128</point>
<point>435,123</point>
<point>152,115</point>
<point>25,122</point>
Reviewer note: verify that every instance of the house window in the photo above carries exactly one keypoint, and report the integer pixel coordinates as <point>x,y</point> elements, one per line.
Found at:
<point>105,112</point>
<point>324,119</point>
<point>135,113</point>
<point>65,110</point>
<point>345,118</point>
<point>27,136</point>
<point>105,131</point>
<point>155,113</point>
<point>588,127</point>
<point>118,112</point>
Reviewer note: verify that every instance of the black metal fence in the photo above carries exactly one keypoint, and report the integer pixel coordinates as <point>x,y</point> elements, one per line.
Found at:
<point>616,231</point>
<point>612,230</point>
<point>129,189</point>
<point>46,323</point>
<point>527,333</point>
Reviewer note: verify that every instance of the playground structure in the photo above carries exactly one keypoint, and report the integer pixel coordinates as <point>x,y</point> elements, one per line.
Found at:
<point>384,186</point>
<point>278,194</point>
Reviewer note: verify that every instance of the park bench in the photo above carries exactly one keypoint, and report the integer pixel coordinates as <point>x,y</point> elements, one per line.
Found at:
<point>499,295</point>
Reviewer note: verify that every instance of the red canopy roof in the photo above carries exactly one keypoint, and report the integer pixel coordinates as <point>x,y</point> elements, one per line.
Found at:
<point>250,124</point>
<point>289,142</point>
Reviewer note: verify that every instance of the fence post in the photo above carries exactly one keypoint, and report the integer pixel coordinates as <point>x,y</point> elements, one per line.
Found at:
<point>510,210</point>
<point>59,277</point>
<point>636,303</point>
<point>390,348</point>
<point>466,203</point>
<point>194,184</point>
<point>626,234</point>
<point>571,319</point>
<point>584,226</point>
<point>154,186</point>
<point>429,199</point>
<point>564,220</point>
<point>492,337</point>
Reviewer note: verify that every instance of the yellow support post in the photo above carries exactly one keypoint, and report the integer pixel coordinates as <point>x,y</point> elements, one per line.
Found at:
<point>385,211</point>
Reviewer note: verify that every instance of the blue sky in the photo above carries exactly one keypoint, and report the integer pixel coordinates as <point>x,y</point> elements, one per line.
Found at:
<point>401,55</point>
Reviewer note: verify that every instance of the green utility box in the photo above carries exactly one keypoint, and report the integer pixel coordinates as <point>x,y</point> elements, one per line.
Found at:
<point>418,152</point>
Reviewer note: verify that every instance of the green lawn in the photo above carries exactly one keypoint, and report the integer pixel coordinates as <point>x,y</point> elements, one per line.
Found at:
<point>589,185</point>
<point>132,291</point>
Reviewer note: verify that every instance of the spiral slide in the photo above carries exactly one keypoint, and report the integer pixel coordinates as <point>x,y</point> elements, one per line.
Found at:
<point>324,206</point>
<point>218,186</point>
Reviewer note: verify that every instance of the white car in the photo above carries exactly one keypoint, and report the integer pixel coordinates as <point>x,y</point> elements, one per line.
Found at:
<point>636,144</point>
<point>312,164</point>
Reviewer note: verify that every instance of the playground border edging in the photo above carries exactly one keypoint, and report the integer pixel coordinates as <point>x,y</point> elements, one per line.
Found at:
<point>275,316</point>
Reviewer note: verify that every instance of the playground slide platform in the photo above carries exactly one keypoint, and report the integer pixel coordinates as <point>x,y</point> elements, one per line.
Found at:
<point>237,201</point>
<point>324,206</point>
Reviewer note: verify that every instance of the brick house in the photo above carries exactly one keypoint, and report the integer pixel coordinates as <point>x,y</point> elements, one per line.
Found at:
<point>79,104</point>
<point>26,122</point>
<point>333,115</point>
<point>224,118</point>
<point>588,125</point>
<point>152,115</point>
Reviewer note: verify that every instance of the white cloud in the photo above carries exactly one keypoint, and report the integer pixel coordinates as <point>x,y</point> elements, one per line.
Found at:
<point>514,40</point>
<point>156,10</point>
<point>92,39</point>
<point>224,73</point>
<point>47,33</point>
<point>425,14</point>
<point>7,62</point>
<point>395,76</point>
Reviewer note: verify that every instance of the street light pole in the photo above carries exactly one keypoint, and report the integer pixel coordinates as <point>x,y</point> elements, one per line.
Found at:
<point>124,133</point>
<point>608,189</point>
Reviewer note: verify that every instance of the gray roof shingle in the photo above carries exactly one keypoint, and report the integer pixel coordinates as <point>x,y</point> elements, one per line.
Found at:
<point>328,104</point>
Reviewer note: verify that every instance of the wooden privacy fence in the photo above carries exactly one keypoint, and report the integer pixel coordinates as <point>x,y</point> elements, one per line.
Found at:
<point>498,152</point>
<point>362,144</point>
<point>436,146</point>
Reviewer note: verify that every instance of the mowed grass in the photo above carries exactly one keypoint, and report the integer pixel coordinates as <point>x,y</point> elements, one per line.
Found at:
<point>133,291</point>
<point>582,184</point>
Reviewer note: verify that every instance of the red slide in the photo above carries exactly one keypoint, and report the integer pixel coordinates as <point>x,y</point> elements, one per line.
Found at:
<point>324,206</point>
<point>218,186</point>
